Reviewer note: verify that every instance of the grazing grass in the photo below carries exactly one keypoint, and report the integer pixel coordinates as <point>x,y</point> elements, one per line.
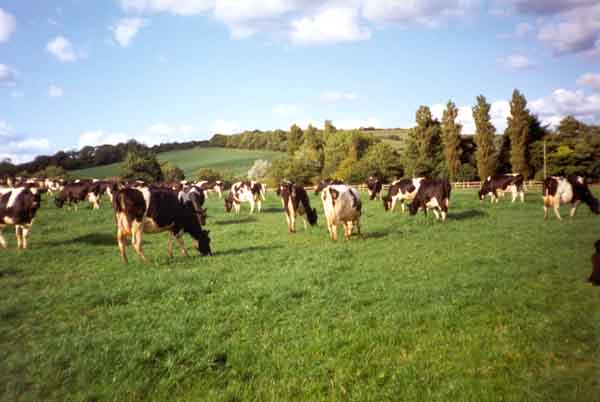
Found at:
<point>490,306</point>
<point>237,161</point>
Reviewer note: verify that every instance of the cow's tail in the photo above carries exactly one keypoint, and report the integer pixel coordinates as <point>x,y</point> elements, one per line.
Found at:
<point>119,204</point>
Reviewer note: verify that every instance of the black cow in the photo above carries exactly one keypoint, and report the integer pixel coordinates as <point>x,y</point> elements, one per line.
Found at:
<point>145,210</point>
<point>432,194</point>
<point>572,190</point>
<point>73,193</point>
<point>18,207</point>
<point>501,183</point>
<point>374,187</point>
<point>296,202</point>
<point>400,190</point>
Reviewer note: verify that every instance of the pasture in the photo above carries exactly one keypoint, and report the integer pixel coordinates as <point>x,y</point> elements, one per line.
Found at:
<point>236,161</point>
<point>490,306</point>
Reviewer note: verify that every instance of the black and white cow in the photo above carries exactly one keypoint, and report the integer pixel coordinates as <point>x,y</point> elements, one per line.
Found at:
<point>211,186</point>
<point>501,183</point>
<point>295,201</point>
<point>401,190</point>
<point>341,204</point>
<point>572,190</point>
<point>242,192</point>
<point>73,193</point>
<point>324,183</point>
<point>194,196</point>
<point>258,189</point>
<point>374,187</point>
<point>432,194</point>
<point>146,210</point>
<point>18,207</point>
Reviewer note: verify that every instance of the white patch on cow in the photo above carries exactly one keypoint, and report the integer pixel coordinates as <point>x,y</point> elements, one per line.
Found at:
<point>146,194</point>
<point>8,220</point>
<point>13,196</point>
<point>579,179</point>
<point>150,226</point>
<point>433,203</point>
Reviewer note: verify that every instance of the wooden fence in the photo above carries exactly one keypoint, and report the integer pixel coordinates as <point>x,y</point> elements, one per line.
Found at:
<point>455,185</point>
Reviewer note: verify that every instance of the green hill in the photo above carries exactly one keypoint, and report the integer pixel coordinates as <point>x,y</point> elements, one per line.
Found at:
<point>237,161</point>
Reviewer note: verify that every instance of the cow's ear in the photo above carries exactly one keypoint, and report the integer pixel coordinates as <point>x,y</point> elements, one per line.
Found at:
<point>334,194</point>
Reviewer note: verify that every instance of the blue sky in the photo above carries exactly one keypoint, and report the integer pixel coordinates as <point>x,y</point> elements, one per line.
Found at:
<point>79,72</point>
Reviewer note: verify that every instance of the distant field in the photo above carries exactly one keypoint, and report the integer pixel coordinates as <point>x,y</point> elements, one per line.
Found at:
<point>396,137</point>
<point>490,306</point>
<point>237,161</point>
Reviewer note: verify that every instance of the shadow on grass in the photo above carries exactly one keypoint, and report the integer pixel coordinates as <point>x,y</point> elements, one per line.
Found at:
<point>238,251</point>
<point>233,221</point>
<point>468,214</point>
<point>94,239</point>
<point>271,210</point>
<point>376,235</point>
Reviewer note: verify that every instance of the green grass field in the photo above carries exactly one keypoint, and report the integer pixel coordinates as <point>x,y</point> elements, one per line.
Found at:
<point>237,161</point>
<point>490,306</point>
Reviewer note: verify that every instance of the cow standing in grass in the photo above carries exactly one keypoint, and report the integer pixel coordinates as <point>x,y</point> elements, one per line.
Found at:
<point>374,187</point>
<point>401,190</point>
<point>73,193</point>
<point>242,192</point>
<point>295,201</point>
<point>150,210</point>
<point>572,190</point>
<point>324,183</point>
<point>341,204</point>
<point>501,183</point>
<point>18,207</point>
<point>432,194</point>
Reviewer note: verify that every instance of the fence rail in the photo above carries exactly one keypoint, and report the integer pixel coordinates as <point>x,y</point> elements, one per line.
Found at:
<point>455,185</point>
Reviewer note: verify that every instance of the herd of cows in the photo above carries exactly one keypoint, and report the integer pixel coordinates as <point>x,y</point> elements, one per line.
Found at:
<point>177,207</point>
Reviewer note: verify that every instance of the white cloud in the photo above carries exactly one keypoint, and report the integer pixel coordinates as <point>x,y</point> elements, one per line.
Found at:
<point>62,49</point>
<point>127,29</point>
<point>349,124</point>
<point>516,62</point>
<point>337,96</point>
<point>426,12</point>
<point>55,92</point>
<point>8,76</point>
<point>564,102</point>
<point>7,25</point>
<point>590,80</point>
<point>224,127</point>
<point>286,110</point>
<point>499,111</point>
<point>331,25</point>
<point>101,137</point>
<point>179,7</point>
<point>20,148</point>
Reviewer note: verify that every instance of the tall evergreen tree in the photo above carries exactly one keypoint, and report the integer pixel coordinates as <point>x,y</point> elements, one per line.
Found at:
<point>294,139</point>
<point>423,152</point>
<point>518,130</point>
<point>484,138</point>
<point>451,139</point>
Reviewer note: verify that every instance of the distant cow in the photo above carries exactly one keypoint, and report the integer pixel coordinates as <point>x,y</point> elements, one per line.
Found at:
<point>146,210</point>
<point>194,196</point>
<point>324,183</point>
<point>374,187</point>
<point>501,183</point>
<point>210,186</point>
<point>296,202</point>
<point>242,192</point>
<point>73,193</point>
<point>341,204</point>
<point>432,194</point>
<point>18,207</point>
<point>401,190</point>
<point>258,188</point>
<point>572,190</point>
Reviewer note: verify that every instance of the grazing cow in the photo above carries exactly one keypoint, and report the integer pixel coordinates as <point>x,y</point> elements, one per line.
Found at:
<point>374,187</point>
<point>324,183</point>
<point>242,192</point>
<point>296,202</point>
<point>501,183</point>
<point>18,207</point>
<point>341,204</point>
<point>400,190</point>
<point>210,186</point>
<point>194,196</point>
<point>146,210</point>
<point>73,193</point>
<point>573,190</point>
<point>432,194</point>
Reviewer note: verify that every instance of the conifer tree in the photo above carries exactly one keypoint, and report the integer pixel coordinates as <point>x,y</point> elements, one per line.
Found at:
<point>451,139</point>
<point>484,138</point>
<point>518,129</point>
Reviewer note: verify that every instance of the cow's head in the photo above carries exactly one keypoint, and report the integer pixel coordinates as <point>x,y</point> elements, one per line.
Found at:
<point>202,242</point>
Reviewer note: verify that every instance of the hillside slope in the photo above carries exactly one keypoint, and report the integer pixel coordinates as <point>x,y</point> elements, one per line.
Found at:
<point>237,161</point>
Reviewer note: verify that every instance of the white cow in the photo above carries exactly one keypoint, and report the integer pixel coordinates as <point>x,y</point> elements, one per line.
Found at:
<point>341,204</point>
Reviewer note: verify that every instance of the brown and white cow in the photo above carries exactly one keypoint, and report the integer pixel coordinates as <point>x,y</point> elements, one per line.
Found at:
<point>146,210</point>
<point>73,193</point>
<point>432,194</point>
<point>501,183</point>
<point>401,190</point>
<point>374,187</point>
<point>242,192</point>
<point>18,207</point>
<point>572,190</point>
<point>341,204</point>
<point>295,201</point>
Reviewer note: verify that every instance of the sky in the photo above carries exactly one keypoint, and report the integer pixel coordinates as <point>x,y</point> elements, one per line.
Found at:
<point>79,72</point>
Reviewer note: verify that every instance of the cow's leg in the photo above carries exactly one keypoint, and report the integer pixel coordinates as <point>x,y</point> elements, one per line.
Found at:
<point>220,194</point>
<point>252,204</point>
<point>2,240</point>
<point>19,236</point>
<point>137,230</point>
<point>557,212</point>
<point>357,224</point>
<point>436,213</point>
<point>574,208</point>
<point>514,196</point>
<point>332,231</point>
<point>170,245</point>
<point>237,207</point>
<point>522,195</point>
<point>122,236</point>
<point>289,223</point>
<point>259,204</point>
<point>24,233</point>
<point>179,239</point>
<point>347,229</point>
<point>402,206</point>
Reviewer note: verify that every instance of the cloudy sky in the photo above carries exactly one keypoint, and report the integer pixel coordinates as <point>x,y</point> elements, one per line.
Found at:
<point>80,72</point>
